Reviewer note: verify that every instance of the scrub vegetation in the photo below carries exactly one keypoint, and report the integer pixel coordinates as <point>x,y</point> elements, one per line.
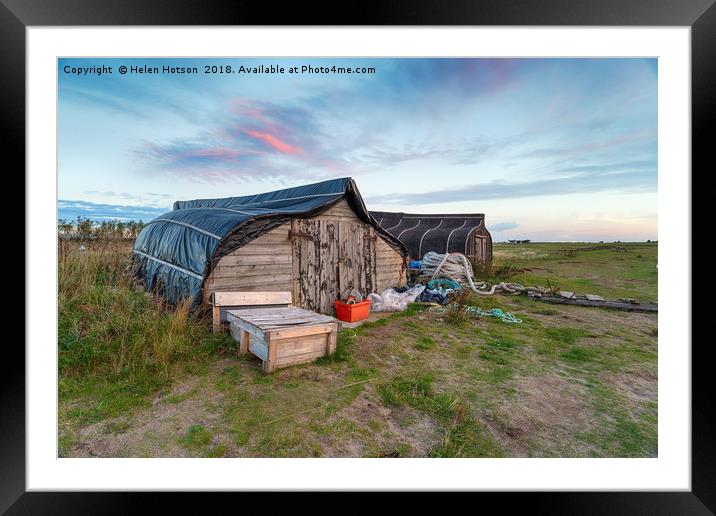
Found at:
<point>140,379</point>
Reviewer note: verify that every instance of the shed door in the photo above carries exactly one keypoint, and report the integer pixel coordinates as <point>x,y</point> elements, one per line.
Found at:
<point>356,257</point>
<point>330,257</point>
<point>315,257</point>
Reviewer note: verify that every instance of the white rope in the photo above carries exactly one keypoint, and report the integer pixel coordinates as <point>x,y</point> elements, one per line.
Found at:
<point>456,267</point>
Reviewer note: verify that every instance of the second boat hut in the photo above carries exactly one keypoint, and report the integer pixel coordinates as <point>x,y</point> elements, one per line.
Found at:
<point>441,233</point>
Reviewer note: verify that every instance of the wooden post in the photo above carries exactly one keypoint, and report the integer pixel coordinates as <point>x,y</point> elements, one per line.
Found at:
<point>332,342</point>
<point>216,319</point>
<point>244,342</point>
<point>270,364</point>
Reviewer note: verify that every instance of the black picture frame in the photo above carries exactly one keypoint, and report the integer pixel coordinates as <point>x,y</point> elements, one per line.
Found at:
<point>700,15</point>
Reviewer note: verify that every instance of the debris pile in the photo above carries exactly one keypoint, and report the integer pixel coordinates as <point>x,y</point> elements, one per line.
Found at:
<point>441,277</point>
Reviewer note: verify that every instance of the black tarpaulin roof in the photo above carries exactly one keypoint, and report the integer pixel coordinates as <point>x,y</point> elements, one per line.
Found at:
<point>175,252</point>
<point>422,233</point>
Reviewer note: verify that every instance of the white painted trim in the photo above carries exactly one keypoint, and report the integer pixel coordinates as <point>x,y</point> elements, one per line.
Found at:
<point>420,245</point>
<point>393,227</point>
<point>447,244</point>
<point>408,229</point>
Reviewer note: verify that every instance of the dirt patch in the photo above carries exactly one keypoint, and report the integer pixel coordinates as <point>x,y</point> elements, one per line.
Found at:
<point>541,418</point>
<point>154,432</point>
<point>382,431</point>
<point>636,386</point>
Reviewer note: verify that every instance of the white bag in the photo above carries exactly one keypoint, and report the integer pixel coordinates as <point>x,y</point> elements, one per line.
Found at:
<point>391,301</point>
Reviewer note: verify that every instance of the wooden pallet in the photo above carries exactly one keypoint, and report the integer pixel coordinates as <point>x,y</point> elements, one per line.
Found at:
<point>285,336</point>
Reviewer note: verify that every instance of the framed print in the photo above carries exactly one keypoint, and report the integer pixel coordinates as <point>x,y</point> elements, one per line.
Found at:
<point>425,250</point>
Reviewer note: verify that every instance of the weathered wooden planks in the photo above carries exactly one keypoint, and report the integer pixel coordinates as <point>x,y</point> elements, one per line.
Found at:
<point>313,263</point>
<point>255,270</point>
<point>221,301</point>
<point>239,258</point>
<point>388,265</point>
<point>340,256</point>
<point>266,249</point>
<point>252,298</point>
<point>283,336</point>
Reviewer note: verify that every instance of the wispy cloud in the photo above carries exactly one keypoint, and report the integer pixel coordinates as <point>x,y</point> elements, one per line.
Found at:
<point>251,139</point>
<point>305,135</point>
<point>68,210</point>
<point>626,182</point>
<point>598,144</point>
<point>159,200</point>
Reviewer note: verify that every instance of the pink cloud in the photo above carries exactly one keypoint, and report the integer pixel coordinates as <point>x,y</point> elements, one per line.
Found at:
<point>273,141</point>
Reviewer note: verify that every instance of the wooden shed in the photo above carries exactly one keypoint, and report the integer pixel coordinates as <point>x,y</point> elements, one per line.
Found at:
<point>442,233</point>
<point>316,240</point>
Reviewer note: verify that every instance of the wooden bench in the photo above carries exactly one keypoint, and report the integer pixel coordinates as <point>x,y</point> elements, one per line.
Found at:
<point>283,336</point>
<point>223,301</point>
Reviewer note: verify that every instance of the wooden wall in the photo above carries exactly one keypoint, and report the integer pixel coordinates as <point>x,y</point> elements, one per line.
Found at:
<point>264,264</point>
<point>332,251</point>
<point>389,269</point>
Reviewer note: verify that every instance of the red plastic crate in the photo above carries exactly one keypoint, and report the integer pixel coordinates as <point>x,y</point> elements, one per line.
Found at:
<point>354,312</point>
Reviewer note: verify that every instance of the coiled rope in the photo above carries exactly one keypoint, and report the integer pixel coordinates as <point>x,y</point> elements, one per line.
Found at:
<point>456,267</point>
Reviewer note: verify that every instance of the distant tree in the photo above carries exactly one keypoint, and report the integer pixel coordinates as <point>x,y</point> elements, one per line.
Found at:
<point>65,228</point>
<point>84,228</point>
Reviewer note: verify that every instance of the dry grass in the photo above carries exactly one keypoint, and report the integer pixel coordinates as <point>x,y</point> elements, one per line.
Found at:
<point>116,343</point>
<point>108,325</point>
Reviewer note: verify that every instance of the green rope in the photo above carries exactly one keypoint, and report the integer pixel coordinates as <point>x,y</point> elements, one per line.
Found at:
<point>476,311</point>
<point>495,312</point>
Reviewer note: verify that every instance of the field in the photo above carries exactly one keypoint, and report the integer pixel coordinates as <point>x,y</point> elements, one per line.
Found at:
<point>139,380</point>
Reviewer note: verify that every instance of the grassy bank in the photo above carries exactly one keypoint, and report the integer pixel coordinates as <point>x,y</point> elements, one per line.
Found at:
<point>139,379</point>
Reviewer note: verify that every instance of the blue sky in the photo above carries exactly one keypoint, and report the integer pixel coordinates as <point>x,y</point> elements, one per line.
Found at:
<point>548,149</point>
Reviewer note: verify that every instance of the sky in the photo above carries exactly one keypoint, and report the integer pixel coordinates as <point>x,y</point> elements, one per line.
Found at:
<point>547,149</point>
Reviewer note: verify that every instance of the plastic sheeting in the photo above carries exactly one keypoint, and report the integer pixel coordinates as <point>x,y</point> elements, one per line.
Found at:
<point>175,252</point>
<point>391,301</point>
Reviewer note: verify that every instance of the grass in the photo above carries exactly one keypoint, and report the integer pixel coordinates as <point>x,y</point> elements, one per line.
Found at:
<point>425,343</point>
<point>610,270</point>
<point>196,437</point>
<point>567,381</point>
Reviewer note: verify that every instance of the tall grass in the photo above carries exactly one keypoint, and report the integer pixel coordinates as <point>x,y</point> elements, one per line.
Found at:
<point>107,326</point>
